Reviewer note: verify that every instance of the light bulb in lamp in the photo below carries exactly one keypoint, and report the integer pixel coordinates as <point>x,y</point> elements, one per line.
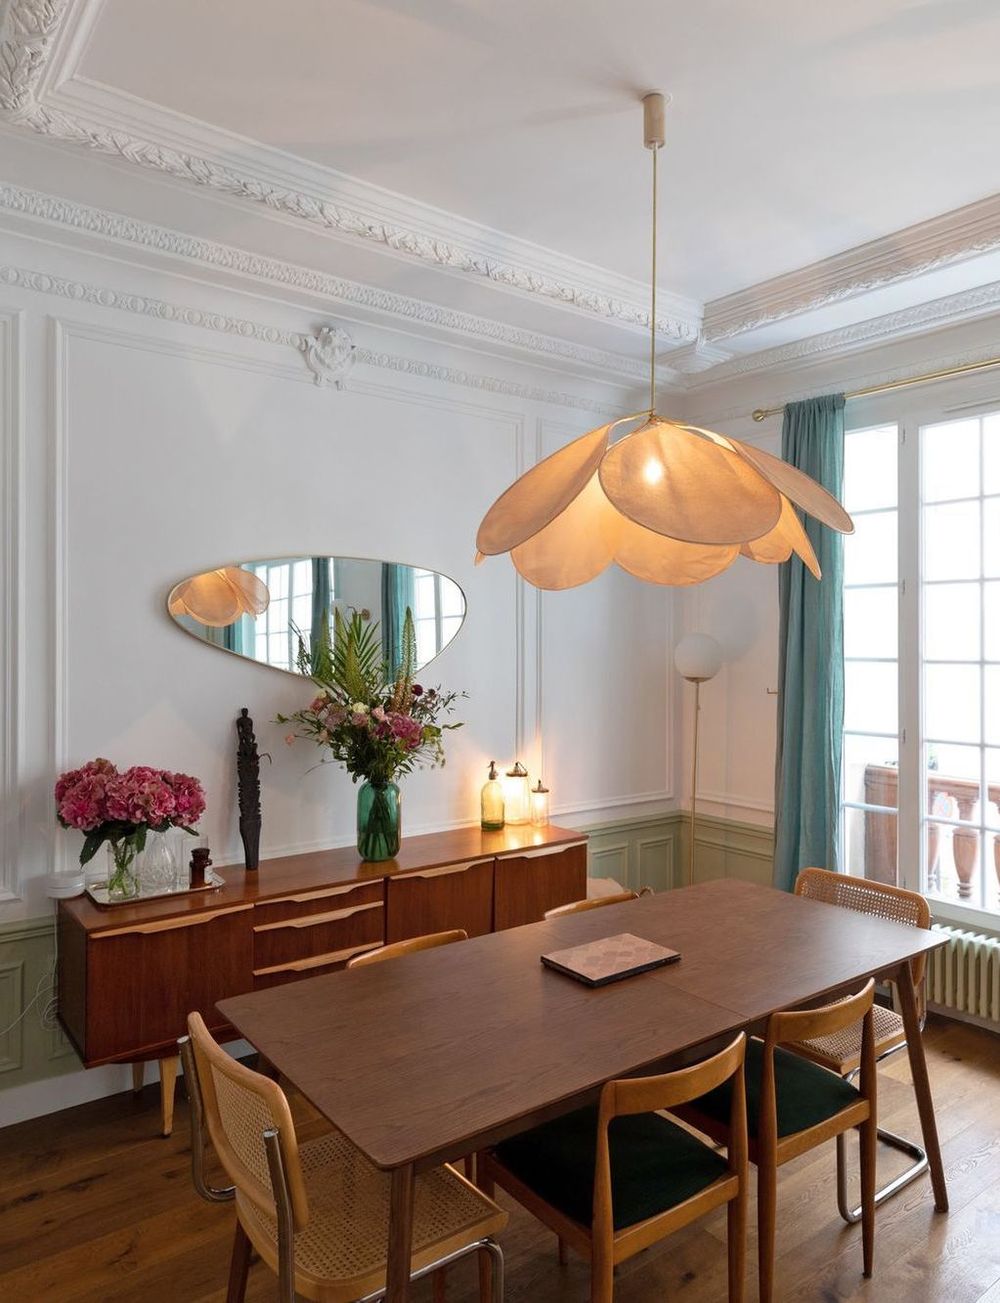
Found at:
<point>698,657</point>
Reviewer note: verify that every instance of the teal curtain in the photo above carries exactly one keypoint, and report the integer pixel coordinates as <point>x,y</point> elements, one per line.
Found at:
<point>811,659</point>
<point>397,595</point>
<point>322,599</point>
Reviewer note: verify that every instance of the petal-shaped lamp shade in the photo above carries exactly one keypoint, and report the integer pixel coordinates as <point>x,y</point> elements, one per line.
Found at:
<point>801,488</point>
<point>660,560</point>
<point>219,597</point>
<point>688,487</point>
<point>787,537</point>
<point>543,492</point>
<point>573,548</point>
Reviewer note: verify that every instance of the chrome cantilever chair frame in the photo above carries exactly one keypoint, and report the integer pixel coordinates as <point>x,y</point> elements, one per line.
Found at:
<point>207,1192</point>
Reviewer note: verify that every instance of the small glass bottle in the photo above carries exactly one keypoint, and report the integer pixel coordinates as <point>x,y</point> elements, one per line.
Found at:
<point>516,791</point>
<point>539,805</point>
<point>491,801</point>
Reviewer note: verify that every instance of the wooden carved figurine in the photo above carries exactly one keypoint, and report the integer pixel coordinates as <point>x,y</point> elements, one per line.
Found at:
<point>248,777</point>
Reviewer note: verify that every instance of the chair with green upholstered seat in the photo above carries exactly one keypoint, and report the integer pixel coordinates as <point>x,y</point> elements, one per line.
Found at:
<point>793,1105</point>
<point>614,1178</point>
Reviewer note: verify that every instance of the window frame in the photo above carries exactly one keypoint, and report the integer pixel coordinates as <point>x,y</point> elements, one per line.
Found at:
<point>911,409</point>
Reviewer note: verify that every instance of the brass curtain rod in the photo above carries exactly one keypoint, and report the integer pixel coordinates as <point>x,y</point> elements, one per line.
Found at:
<point>762,412</point>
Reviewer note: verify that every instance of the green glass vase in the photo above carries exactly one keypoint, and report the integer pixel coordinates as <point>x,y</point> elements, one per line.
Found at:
<point>378,821</point>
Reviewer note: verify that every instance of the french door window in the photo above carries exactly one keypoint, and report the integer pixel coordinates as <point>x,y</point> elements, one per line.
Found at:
<point>921,767</point>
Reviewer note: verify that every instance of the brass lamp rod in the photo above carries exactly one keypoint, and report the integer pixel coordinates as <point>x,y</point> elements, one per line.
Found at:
<point>654,135</point>
<point>965,369</point>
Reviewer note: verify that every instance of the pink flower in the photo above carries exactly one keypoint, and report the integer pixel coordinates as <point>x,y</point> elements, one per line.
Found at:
<point>317,704</point>
<point>378,713</point>
<point>289,739</point>
<point>84,805</point>
<point>408,730</point>
<point>73,776</point>
<point>189,798</point>
<point>141,795</point>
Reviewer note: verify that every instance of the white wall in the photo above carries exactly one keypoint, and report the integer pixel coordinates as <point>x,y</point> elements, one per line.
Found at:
<point>155,423</point>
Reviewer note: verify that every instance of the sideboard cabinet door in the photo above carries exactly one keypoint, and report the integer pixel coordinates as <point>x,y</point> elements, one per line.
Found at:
<point>144,979</point>
<point>437,900</point>
<point>527,885</point>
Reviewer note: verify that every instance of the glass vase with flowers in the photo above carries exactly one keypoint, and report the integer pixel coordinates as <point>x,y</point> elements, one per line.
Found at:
<point>377,724</point>
<point>120,808</point>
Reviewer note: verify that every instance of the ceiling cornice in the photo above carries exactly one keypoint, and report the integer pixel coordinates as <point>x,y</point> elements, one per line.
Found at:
<point>952,237</point>
<point>153,138</point>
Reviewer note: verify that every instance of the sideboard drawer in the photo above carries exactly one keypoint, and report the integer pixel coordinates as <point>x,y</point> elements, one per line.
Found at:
<point>437,900</point>
<point>322,900</point>
<point>315,966</point>
<point>318,933</point>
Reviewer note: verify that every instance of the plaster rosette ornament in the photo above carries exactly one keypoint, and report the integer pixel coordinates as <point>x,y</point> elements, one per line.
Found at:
<point>668,502</point>
<point>330,354</point>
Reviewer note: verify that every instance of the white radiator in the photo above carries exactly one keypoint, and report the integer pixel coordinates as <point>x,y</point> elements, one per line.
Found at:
<point>964,976</point>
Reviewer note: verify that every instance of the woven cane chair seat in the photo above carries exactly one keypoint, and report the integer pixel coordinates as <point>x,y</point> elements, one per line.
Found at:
<point>340,1255</point>
<point>841,1051</point>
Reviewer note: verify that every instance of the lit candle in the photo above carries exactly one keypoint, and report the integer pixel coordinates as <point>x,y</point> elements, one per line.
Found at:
<point>539,805</point>
<point>515,794</point>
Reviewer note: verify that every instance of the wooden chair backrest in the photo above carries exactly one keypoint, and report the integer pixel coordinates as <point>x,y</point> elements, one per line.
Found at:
<point>794,1025</point>
<point>240,1105</point>
<point>880,899</point>
<point>593,902</point>
<point>667,1090</point>
<point>396,948</point>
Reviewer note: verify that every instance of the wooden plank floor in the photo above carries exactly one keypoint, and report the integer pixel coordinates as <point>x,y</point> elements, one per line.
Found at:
<point>94,1205</point>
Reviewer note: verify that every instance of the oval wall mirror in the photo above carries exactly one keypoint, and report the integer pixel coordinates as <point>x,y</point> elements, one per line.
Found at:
<point>268,610</point>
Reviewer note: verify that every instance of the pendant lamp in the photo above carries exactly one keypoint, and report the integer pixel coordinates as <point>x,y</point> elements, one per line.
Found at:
<point>219,597</point>
<point>668,502</point>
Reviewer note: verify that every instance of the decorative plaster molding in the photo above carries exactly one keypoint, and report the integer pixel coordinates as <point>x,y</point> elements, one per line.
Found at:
<point>329,355</point>
<point>27,31</point>
<point>243,328</point>
<point>272,271</point>
<point>29,28</point>
<point>832,343</point>
<point>951,237</point>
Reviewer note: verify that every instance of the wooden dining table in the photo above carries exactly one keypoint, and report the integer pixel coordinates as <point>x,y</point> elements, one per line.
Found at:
<point>442,1053</point>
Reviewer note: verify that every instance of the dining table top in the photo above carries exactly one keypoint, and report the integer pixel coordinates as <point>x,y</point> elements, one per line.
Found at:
<point>447,1050</point>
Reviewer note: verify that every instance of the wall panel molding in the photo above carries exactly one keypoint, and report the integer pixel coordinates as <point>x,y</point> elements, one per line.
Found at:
<point>12,649</point>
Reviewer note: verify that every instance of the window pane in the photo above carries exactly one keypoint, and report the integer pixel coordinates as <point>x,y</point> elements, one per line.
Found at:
<point>951,703</point>
<point>870,552</point>
<point>991,626</point>
<point>870,844</point>
<point>870,621</point>
<point>870,697</point>
<point>426,644</point>
<point>993,787</point>
<point>991,454</point>
<point>870,765</point>
<point>991,537</point>
<point>870,468</point>
<point>992,685</point>
<point>951,541</point>
<point>950,460</point>
<point>451,598</point>
<point>951,622</point>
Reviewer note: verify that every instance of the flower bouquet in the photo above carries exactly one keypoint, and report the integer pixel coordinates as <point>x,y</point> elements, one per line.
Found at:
<point>120,808</point>
<point>378,726</point>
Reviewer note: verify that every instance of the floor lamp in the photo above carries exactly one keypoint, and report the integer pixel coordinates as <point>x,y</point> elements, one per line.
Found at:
<point>698,658</point>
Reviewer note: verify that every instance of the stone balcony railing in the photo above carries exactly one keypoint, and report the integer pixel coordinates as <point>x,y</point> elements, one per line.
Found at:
<point>952,798</point>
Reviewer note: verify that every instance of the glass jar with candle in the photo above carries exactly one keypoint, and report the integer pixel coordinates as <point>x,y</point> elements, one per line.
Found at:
<point>516,791</point>
<point>539,805</point>
<point>491,801</point>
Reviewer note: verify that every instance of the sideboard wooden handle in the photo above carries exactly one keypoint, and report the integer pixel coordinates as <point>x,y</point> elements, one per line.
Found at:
<point>302,896</point>
<point>313,920</point>
<point>537,852</point>
<point>444,870</point>
<point>170,924</point>
<point>317,961</point>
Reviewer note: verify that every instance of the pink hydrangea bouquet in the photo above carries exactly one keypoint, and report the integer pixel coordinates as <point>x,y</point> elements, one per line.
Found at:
<point>108,805</point>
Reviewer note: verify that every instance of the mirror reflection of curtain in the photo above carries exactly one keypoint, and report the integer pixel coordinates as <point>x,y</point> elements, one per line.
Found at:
<point>397,595</point>
<point>322,596</point>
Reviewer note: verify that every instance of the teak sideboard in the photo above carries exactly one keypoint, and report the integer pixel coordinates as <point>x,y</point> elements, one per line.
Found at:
<point>130,974</point>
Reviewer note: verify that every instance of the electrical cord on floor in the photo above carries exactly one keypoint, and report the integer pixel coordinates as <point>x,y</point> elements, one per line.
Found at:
<point>46,988</point>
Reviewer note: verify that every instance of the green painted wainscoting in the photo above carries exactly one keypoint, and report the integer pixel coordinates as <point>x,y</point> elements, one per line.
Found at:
<point>637,852</point>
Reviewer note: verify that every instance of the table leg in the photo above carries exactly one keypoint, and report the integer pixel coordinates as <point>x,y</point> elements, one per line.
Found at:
<point>400,1235</point>
<point>921,1084</point>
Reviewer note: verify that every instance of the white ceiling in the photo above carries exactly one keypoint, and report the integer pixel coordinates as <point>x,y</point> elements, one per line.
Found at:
<point>830,176</point>
<point>797,130</point>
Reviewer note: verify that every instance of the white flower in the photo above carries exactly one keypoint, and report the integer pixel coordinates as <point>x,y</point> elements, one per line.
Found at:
<point>359,708</point>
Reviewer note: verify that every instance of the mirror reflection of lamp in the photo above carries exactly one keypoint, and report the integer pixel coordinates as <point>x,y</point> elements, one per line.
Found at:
<point>219,597</point>
<point>698,658</point>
